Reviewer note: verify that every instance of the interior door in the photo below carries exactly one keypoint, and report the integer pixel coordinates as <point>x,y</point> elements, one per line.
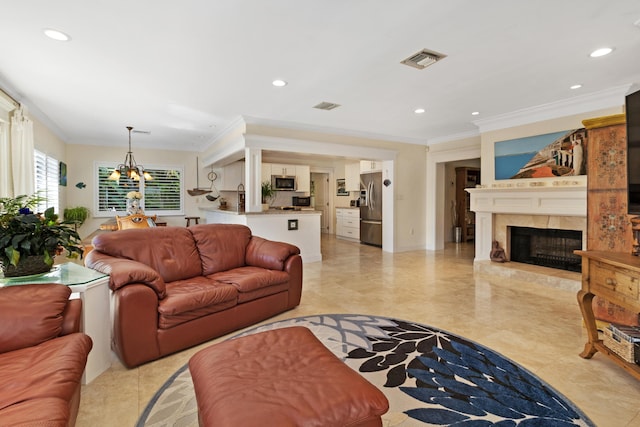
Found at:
<point>320,198</point>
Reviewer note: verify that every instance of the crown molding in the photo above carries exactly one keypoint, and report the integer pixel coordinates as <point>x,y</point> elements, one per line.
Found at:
<point>608,98</point>
<point>454,137</point>
<point>238,124</point>
<point>257,121</point>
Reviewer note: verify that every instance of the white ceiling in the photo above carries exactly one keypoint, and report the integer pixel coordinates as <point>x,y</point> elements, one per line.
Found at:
<point>184,70</point>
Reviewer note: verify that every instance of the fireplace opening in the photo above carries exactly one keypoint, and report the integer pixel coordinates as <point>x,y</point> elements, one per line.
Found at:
<point>546,247</point>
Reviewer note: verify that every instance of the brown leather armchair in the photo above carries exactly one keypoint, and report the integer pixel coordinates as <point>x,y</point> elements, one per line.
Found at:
<point>42,355</point>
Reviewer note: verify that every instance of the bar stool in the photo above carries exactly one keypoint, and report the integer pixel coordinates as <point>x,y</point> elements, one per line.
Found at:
<point>189,218</point>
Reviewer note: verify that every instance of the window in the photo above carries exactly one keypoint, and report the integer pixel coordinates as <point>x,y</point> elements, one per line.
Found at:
<point>161,196</point>
<point>46,180</point>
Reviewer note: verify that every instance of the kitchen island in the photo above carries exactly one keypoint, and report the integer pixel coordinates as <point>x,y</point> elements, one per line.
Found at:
<point>297,227</point>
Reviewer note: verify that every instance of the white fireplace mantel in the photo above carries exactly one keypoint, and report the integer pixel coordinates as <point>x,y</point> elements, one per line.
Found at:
<point>535,198</point>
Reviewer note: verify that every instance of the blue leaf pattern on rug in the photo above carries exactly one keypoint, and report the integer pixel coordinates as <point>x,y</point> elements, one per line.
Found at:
<point>472,385</point>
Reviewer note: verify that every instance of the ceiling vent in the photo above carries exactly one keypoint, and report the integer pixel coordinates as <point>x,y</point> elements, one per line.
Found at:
<point>326,106</point>
<point>423,59</point>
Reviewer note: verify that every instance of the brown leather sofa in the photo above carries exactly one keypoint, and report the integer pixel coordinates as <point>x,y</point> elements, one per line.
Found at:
<point>42,355</point>
<point>176,287</point>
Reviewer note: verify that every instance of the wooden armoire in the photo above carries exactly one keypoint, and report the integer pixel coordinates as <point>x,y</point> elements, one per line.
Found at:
<point>608,224</point>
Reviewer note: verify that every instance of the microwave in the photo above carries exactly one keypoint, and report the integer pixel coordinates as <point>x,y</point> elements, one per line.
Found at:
<point>283,182</point>
<point>301,201</point>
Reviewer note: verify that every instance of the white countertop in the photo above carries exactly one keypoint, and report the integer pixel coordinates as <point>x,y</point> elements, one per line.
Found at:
<point>269,212</point>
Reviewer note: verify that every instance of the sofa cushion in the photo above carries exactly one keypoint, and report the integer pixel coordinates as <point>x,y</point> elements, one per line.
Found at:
<point>193,298</point>
<point>222,246</point>
<point>50,370</point>
<point>31,314</point>
<point>253,282</point>
<point>171,251</point>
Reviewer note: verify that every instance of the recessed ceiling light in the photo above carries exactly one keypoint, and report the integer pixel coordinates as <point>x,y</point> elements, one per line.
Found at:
<point>419,110</point>
<point>279,83</point>
<point>601,52</point>
<point>578,86</point>
<point>475,113</point>
<point>56,35</point>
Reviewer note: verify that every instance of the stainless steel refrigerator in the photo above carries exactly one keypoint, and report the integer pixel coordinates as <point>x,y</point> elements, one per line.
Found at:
<point>371,208</point>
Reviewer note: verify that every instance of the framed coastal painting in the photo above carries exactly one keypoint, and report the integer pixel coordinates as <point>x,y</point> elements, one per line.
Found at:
<point>550,155</point>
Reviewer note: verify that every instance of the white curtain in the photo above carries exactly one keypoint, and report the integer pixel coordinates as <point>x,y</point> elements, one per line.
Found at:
<point>6,179</point>
<point>21,153</point>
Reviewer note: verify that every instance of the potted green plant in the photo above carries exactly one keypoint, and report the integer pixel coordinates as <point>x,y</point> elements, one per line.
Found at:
<point>29,241</point>
<point>77,215</point>
<point>267,194</point>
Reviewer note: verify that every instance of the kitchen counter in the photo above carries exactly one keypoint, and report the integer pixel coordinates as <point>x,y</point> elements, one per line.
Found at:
<point>300,228</point>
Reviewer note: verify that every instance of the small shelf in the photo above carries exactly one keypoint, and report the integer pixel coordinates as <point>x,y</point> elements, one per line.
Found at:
<point>632,368</point>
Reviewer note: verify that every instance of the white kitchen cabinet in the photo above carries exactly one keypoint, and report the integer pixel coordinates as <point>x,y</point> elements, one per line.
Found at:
<point>370,166</point>
<point>301,172</point>
<point>303,178</point>
<point>352,176</point>
<point>232,176</point>
<point>348,223</point>
<point>286,170</point>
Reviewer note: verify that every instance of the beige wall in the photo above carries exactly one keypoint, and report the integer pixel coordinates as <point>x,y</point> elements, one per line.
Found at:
<point>409,180</point>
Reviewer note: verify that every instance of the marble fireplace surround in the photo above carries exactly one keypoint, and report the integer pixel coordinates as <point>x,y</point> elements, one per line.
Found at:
<point>534,204</point>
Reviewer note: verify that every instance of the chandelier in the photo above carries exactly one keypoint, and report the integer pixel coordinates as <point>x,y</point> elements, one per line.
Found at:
<point>130,168</point>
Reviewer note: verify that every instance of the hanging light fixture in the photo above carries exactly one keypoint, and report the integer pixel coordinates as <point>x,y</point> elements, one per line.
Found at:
<point>130,168</point>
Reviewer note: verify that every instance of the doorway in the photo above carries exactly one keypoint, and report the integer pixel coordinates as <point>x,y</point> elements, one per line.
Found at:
<point>320,198</point>
<point>437,187</point>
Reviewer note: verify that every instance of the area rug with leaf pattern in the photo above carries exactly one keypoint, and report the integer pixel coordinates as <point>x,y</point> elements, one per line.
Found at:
<point>430,377</point>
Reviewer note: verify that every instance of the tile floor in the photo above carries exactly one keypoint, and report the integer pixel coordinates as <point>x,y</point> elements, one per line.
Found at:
<point>536,325</point>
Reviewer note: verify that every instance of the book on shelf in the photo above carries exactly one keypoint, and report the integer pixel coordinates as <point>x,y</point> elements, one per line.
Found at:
<point>624,332</point>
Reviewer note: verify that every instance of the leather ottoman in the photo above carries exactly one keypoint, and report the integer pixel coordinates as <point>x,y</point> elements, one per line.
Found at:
<point>282,377</point>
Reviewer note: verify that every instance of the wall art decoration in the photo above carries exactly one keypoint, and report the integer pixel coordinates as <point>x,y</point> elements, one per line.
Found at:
<point>62,177</point>
<point>542,156</point>
<point>342,187</point>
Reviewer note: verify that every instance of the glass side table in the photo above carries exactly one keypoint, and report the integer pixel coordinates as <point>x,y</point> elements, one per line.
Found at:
<point>92,287</point>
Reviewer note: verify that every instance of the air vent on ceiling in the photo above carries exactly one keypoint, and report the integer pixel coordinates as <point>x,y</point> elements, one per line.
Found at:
<point>423,59</point>
<point>326,106</point>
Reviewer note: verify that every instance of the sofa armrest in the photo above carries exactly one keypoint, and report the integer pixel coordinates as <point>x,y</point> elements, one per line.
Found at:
<point>135,325</point>
<point>124,272</point>
<point>71,317</point>
<point>269,254</point>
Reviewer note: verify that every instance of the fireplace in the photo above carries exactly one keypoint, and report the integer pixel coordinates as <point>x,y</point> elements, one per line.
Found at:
<point>546,247</point>
<point>550,206</point>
